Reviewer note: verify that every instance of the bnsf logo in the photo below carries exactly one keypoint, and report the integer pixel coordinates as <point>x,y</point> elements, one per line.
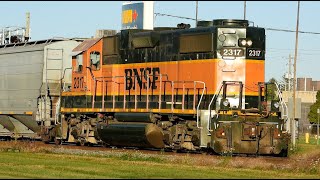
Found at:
<point>141,77</point>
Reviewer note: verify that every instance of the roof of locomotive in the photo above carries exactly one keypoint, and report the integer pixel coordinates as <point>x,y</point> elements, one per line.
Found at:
<point>86,44</point>
<point>203,26</point>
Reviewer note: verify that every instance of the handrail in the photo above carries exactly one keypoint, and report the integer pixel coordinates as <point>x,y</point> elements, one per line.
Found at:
<point>103,91</point>
<point>94,93</point>
<point>172,95</point>
<point>57,111</point>
<point>147,103</point>
<point>124,93</point>
<point>209,107</point>
<point>135,92</point>
<point>160,92</point>
<point>102,80</point>
<point>283,104</point>
<point>199,102</point>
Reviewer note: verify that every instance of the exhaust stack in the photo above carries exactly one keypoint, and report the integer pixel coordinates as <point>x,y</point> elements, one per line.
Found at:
<point>27,32</point>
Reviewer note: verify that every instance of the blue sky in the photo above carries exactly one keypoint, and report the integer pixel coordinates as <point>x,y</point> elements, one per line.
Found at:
<point>81,19</point>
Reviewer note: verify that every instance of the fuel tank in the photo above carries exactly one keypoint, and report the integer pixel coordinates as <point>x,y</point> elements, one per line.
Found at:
<point>130,134</point>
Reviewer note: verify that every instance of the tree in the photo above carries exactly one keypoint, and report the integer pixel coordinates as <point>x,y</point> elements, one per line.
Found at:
<point>285,81</point>
<point>313,116</point>
<point>271,89</point>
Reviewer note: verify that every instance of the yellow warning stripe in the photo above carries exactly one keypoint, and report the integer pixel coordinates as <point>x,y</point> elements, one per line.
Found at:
<point>87,93</point>
<point>88,110</point>
<point>12,112</point>
<point>231,112</point>
<point>176,62</point>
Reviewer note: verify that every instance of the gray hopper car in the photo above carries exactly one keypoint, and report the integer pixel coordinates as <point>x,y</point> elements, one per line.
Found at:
<point>30,83</point>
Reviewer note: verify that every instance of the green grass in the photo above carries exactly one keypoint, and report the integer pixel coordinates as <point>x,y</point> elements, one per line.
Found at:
<point>43,165</point>
<point>305,148</point>
<point>29,161</point>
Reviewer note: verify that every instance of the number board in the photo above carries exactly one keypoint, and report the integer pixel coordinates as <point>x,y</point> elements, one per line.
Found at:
<point>254,53</point>
<point>231,52</point>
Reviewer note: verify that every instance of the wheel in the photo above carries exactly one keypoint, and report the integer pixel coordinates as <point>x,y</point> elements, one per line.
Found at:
<point>283,153</point>
<point>83,143</point>
<point>57,141</point>
<point>90,144</point>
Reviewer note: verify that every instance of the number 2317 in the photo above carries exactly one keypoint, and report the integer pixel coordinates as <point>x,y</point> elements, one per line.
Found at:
<point>254,53</point>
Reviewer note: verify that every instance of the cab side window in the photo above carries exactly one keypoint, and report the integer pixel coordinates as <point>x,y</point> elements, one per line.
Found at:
<point>95,60</point>
<point>79,61</point>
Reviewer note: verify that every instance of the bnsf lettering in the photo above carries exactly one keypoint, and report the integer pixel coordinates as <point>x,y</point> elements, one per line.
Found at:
<point>141,77</point>
<point>78,82</point>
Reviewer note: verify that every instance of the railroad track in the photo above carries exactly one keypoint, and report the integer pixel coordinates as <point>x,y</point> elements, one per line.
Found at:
<point>196,155</point>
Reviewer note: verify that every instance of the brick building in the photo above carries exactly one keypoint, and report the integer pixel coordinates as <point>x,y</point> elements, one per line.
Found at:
<point>306,84</point>
<point>306,91</point>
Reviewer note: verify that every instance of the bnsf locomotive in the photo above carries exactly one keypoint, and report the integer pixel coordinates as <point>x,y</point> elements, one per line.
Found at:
<point>194,89</point>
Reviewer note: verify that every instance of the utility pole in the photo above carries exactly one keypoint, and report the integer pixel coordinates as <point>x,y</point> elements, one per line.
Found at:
<point>196,13</point>
<point>244,10</point>
<point>293,135</point>
<point>288,126</point>
<point>318,112</point>
<point>290,73</point>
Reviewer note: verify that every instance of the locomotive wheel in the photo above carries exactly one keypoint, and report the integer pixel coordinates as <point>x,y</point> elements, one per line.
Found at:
<point>83,143</point>
<point>283,153</point>
<point>57,141</point>
<point>90,144</point>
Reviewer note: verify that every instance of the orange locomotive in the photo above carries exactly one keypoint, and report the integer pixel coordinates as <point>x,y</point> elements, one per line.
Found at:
<point>151,88</point>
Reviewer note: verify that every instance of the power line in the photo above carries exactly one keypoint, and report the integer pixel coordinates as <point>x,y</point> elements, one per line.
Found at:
<point>181,17</point>
<point>286,30</point>
<point>269,29</point>
<point>280,49</point>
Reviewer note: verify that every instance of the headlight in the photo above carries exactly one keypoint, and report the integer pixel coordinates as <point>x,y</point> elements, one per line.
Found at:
<point>249,42</point>
<point>276,104</point>
<point>226,102</point>
<point>243,42</point>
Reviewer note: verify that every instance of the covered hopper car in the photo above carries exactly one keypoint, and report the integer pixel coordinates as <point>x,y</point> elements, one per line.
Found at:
<point>30,78</point>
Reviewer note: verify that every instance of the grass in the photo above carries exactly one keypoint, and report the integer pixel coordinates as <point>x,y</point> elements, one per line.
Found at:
<point>41,165</point>
<point>306,148</point>
<point>30,161</point>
